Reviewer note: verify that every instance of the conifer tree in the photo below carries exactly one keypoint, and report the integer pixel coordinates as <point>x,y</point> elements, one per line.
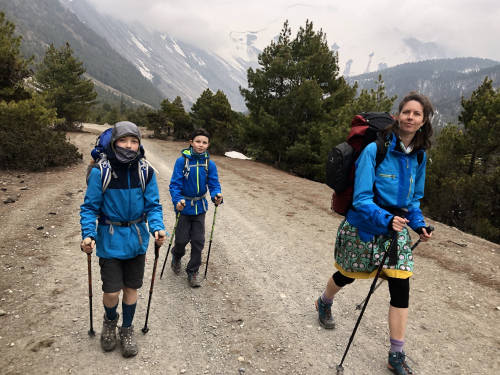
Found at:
<point>296,89</point>
<point>177,117</point>
<point>462,187</point>
<point>13,67</point>
<point>214,114</point>
<point>26,142</point>
<point>60,76</point>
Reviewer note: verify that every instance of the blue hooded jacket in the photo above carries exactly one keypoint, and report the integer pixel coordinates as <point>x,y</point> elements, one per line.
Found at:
<point>122,201</point>
<point>398,182</point>
<point>191,184</point>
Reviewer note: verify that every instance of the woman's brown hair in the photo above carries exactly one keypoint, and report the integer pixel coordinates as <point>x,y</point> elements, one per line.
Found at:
<point>422,138</point>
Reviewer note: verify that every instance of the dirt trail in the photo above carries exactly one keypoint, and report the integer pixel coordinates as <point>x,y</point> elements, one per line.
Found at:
<point>271,256</point>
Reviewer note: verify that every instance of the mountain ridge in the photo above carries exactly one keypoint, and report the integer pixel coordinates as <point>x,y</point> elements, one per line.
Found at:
<point>445,81</point>
<point>148,65</point>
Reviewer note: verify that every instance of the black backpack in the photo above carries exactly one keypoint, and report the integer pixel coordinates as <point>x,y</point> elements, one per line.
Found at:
<point>366,127</point>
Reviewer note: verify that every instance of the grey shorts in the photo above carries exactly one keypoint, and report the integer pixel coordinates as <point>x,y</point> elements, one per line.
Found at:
<point>117,273</point>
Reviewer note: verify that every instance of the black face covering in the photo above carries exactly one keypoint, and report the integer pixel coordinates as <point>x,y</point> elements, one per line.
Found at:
<point>125,155</point>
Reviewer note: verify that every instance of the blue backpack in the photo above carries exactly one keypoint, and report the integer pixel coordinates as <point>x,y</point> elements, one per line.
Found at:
<point>100,160</point>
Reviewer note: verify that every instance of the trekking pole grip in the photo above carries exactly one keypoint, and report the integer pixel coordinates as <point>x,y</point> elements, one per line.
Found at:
<point>161,233</point>
<point>429,229</point>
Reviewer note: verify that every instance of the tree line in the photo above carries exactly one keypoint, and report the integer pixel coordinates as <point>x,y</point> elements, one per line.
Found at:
<point>299,107</point>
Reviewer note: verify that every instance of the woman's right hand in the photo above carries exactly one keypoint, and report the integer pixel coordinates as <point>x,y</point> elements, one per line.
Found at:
<point>398,223</point>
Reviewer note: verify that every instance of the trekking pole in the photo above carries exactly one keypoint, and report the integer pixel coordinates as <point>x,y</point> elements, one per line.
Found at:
<point>88,241</point>
<point>392,247</point>
<point>161,233</point>
<point>211,237</point>
<point>429,229</point>
<point>170,243</point>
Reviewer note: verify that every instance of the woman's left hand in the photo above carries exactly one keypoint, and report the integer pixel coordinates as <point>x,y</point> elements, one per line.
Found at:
<point>424,236</point>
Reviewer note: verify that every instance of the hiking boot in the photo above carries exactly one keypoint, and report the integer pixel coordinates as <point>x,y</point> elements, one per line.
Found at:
<point>397,363</point>
<point>194,279</point>
<point>129,345</point>
<point>108,333</point>
<point>176,263</point>
<point>325,314</point>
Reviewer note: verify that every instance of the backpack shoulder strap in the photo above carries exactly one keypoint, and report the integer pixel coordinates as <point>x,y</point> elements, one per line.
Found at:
<point>382,148</point>
<point>106,172</point>
<point>143,173</point>
<point>420,157</point>
<point>185,171</point>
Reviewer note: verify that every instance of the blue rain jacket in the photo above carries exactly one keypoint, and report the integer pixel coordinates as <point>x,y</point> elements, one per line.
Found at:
<point>122,201</point>
<point>191,184</point>
<point>398,182</point>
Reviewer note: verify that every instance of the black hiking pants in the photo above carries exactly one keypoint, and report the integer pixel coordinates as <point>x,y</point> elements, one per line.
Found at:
<point>190,228</point>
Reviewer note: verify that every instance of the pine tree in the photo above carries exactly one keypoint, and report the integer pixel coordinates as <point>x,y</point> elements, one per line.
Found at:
<point>296,90</point>
<point>13,67</point>
<point>26,142</point>
<point>177,118</point>
<point>214,114</point>
<point>60,77</point>
<point>462,187</point>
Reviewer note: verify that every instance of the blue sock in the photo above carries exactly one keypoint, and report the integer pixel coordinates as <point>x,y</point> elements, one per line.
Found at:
<point>396,345</point>
<point>111,312</point>
<point>128,314</point>
<point>325,299</point>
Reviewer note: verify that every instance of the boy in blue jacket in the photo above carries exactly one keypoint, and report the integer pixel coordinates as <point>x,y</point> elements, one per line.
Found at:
<point>121,237</point>
<point>193,173</point>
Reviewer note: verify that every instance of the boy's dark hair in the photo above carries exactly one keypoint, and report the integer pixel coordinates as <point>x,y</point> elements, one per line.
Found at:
<point>198,132</point>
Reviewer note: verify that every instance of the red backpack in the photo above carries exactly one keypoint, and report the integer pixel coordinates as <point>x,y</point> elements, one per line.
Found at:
<point>365,128</point>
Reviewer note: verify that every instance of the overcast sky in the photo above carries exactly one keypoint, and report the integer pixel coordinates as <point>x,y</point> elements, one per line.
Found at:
<point>358,27</point>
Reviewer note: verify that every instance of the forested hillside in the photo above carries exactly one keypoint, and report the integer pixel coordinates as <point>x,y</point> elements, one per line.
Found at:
<point>45,22</point>
<point>299,108</point>
<point>444,81</point>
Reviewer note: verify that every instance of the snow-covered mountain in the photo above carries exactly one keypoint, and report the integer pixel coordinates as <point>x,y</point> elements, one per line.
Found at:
<point>175,67</point>
<point>179,68</point>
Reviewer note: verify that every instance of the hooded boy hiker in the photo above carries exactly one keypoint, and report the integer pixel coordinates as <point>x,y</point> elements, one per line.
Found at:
<point>121,236</point>
<point>193,173</point>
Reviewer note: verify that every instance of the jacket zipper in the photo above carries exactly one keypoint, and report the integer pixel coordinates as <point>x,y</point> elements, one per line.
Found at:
<point>387,175</point>
<point>409,190</point>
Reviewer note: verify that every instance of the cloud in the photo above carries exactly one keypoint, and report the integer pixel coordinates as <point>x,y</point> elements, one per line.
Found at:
<point>359,27</point>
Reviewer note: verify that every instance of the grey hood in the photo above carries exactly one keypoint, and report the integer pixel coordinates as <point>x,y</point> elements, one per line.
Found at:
<point>124,128</point>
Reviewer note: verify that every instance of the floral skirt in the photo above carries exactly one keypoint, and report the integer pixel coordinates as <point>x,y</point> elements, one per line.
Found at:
<point>359,259</point>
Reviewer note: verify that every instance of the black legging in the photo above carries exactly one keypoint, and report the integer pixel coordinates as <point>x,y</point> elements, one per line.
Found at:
<point>399,289</point>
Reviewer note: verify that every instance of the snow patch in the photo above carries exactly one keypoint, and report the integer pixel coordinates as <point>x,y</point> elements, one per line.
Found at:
<point>201,77</point>
<point>178,49</point>
<point>198,60</point>
<point>236,155</point>
<point>139,45</point>
<point>144,70</point>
